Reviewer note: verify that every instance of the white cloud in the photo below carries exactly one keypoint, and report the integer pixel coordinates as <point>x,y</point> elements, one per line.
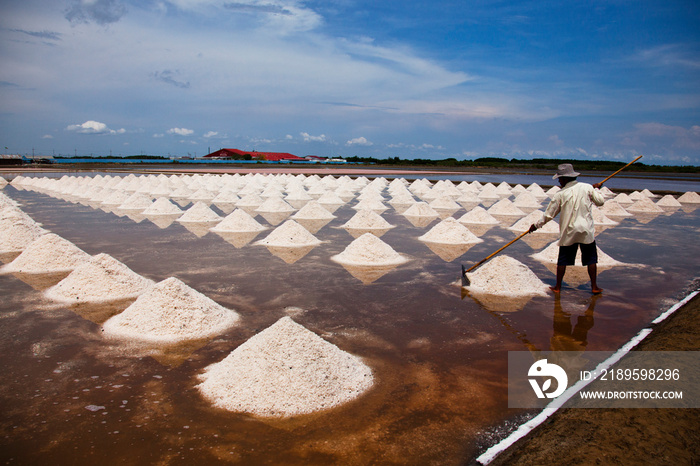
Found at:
<point>159,135</point>
<point>309,138</point>
<point>289,137</point>
<point>47,136</point>
<point>361,141</point>
<point>181,131</point>
<point>94,127</point>
<point>210,134</point>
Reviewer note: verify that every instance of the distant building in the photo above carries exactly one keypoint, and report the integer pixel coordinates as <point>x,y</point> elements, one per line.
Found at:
<point>236,154</point>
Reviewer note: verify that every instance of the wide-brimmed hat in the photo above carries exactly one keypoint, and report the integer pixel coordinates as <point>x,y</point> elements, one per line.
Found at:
<point>565,170</point>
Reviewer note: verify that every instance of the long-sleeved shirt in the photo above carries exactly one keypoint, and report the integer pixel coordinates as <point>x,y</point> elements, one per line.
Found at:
<point>574,202</point>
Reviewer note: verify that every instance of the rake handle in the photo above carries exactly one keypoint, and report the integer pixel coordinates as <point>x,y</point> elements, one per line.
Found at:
<point>496,252</point>
<point>606,179</point>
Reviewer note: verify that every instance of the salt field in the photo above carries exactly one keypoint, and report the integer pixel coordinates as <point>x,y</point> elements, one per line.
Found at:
<point>260,319</point>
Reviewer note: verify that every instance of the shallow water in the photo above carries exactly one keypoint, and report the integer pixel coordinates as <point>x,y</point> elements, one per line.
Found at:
<point>439,355</point>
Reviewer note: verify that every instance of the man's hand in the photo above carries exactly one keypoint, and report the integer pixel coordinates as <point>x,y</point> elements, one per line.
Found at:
<point>532,228</point>
<point>597,185</point>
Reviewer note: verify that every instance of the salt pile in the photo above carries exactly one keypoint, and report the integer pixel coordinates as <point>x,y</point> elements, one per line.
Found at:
<point>274,204</point>
<point>285,370</point>
<point>367,220</point>
<point>199,213</point>
<point>690,197</point>
<point>368,250</point>
<point>420,209</point>
<point>17,230</point>
<point>312,210</point>
<point>506,276</point>
<point>162,206</point>
<point>550,254</point>
<point>623,198</point>
<point>288,235</point>
<point>644,205</point>
<point>526,200</point>
<point>137,202</point>
<point>668,201</point>
<point>613,209</point>
<point>48,253</point>
<point>450,231</point>
<point>505,207</point>
<point>478,216</point>
<point>238,221</point>
<point>3,182</point>
<point>169,312</point>
<point>551,227</point>
<point>371,204</point>
<point>102,278</point>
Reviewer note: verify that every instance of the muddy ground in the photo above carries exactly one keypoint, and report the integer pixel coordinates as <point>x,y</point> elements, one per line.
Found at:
<point>622,436</point>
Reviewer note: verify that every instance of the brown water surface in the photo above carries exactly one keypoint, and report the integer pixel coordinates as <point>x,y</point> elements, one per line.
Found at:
<point>439,356</point>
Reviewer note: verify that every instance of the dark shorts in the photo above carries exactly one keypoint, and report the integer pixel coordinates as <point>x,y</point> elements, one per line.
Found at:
<point>567,254</point>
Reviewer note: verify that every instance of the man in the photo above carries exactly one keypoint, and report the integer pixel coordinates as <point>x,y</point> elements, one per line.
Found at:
<point>575,203</point>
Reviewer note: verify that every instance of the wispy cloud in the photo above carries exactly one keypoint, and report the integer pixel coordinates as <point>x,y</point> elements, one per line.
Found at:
<point>47,35</point>
<point>102,12</point>
<point>169,77</point>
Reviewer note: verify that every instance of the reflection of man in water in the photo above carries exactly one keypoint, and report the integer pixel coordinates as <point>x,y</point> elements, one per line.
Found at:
<point>567,337</point>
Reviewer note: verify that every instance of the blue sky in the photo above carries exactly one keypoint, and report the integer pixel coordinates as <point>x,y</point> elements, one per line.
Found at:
<point>410,79</point>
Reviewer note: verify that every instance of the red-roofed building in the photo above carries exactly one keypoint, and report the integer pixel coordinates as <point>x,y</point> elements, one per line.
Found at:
<point>237,154</point>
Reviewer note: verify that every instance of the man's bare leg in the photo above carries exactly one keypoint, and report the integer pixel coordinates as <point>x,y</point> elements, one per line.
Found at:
<point>561,270</point>
<point>593,275</point>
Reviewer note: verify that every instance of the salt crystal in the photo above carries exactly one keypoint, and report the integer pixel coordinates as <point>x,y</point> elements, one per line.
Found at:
<point>506,276</point>
<point>478,216</point>
<point>690,197</point>
<point>450,231</point>
<point>367,219</point>
<point>312,210</point>
<point>48,253</point>
<point>290,234</point>
<point>162,206</point>
<point>102,278</point>
<point>368,250</point>
<point>199,213</point>
<point>238,221</point>
<point>285,370</point>
<point>168,312</point>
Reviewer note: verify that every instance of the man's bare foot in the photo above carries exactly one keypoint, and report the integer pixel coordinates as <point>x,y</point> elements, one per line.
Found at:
<point>557,290</point>
<point>597,290</point>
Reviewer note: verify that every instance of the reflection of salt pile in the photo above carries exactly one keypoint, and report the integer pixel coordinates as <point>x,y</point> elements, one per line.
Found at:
<point>46,254</point>
<point>168,312</point>
<point>368,250</point>
<point>505,276</point>
<point>102,278</point>
<point>450,231</point>
<point>285,370</point>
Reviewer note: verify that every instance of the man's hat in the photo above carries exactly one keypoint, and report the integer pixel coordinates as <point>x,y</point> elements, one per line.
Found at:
<point>565,170</point>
